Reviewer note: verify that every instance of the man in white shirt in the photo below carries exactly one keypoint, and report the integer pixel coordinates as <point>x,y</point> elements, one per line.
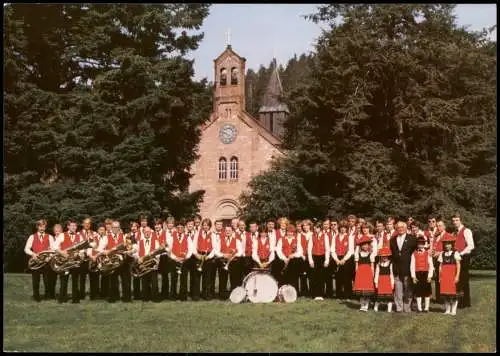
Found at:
<point>402,247</point>
<point>204,248</point>
<point>271,232</point>
<point>217,233</point>
<point>165,263</point>
<point>342,250</point>
<point>191,263</point>
<point>231,251</point>
<point>181,250</point>
<point>37,243</point>
<point>464,246</point>
<point>149,282</point>
<point>289,251</point>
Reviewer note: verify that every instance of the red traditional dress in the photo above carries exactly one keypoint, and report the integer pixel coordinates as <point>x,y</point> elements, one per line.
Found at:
<point>448,262</point>
<point>363,283</point>
<point>384,288</point>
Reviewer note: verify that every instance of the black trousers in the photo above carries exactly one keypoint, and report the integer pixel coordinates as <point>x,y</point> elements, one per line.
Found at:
<point>343,278</point>
<point>329,276</point>
<point>164,269</point>
<point>276,268</point>
<point>191,267</point>
<point>105,286</point>
<point>438,298</point>
<point>248,264</point>
<point>149,284</point>
<point>75,279</point>
<point>84,271</point>
<point>233,274</point>
<point>136,288</point>
<point>205,278</point>
<point>318,277</point>
<point>217,264</point>
<point>290,275</point>
<point>463,283</point>
<point>52,281</point>
<point>44,274</point>
<point>126,280</point>
<point>304,274</point>
<point>94,278</point>
<point>182,294</point>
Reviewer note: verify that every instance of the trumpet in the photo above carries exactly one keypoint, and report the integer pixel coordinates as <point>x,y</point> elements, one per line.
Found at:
<point>179,265</point>
<point>229,260</point>
<point>203,259</point>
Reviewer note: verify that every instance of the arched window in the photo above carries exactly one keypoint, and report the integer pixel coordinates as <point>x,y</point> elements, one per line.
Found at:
<point>222,168</point>
<point>233,168</point>
<point>234,76</point>
<point>223,76</point>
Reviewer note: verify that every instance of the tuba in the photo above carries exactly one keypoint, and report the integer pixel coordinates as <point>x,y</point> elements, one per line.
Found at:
<point>148,265</point>
<point>62,265</point>
<point>107,264</point>
<point>34,264</point>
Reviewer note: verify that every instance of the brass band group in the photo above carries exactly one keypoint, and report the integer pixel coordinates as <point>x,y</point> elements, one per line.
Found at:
<point>381,264</point>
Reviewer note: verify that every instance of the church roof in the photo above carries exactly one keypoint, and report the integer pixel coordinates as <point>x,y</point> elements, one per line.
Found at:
<point>271,102</point>
<point>229,50</point>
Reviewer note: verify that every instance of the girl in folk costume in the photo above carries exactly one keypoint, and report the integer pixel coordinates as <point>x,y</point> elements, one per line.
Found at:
<point>204,251</point>
<point>146,247</point>
<point>92,254</point>
<point>181,249</point>
<point>318,252</point>
<point>231,251</point>
<point>422,269</point>
<point>342,251</point>
<point>37,243</point>
<point>449,273</point>
<point>262,251</point>
<point>305,270</point>
<point>384,279</point>
<point>366,229</point>
<point>436,249</point>
<point>363,283</point>
<point>289,251</point>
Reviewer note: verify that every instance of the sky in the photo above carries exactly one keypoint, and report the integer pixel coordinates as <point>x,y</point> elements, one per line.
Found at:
<point>259,32</point>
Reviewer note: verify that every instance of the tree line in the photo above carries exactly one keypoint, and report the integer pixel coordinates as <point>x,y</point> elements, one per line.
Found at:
<point>397,116</point>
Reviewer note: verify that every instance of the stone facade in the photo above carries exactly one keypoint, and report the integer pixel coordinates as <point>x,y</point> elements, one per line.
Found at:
<point>231,133</point>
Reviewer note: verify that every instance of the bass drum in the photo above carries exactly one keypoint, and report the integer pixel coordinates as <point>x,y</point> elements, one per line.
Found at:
<point>260,287</point>
<point>237,295</point>
<point>287,294</point>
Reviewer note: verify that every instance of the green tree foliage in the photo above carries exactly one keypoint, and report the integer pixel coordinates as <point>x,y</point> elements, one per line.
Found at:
<point>398,118</point>
<point>101,113</point>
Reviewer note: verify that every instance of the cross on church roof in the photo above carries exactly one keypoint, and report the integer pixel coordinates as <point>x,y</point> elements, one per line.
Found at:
<point>228,34</point>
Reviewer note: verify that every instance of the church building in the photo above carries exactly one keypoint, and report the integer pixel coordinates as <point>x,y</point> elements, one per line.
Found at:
<point>235,146</point>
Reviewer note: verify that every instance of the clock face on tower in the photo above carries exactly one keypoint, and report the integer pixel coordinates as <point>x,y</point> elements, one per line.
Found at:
<point>227,133</point>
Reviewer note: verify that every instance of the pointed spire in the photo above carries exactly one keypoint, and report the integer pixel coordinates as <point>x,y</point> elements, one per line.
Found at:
<point>274,92</point>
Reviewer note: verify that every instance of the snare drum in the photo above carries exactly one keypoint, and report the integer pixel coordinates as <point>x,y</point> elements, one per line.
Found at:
<point>287,294</point>
<point>238,295</point>
<point>260,287</point>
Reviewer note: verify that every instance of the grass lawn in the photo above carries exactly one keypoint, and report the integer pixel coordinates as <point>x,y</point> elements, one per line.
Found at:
<point>304,326</point>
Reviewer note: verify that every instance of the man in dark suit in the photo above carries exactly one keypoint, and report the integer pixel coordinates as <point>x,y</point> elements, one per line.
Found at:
<point>402,247</point>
